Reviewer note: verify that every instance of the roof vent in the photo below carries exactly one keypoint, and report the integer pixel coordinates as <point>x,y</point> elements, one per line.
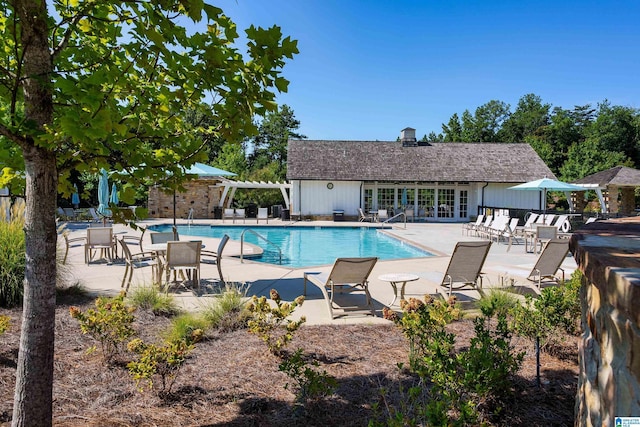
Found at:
<point>408,137</point>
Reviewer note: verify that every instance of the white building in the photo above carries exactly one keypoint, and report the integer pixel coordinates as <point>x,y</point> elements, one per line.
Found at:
<point>432,181</point>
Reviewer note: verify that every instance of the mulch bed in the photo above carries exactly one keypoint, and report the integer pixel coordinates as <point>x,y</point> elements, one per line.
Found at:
<point>232,380</point>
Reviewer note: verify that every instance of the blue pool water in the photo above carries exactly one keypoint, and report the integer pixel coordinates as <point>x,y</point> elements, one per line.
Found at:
<point>309,246</point>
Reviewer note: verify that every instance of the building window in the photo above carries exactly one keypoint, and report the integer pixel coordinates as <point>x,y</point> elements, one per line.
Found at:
<point>426,202</point>
<point>386,198</point>
<point>464,203</point>
<point>368,199</point>
<point>446,201</point>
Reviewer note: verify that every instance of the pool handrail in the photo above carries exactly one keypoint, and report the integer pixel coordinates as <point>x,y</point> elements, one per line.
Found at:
<point>402,214</point>
<point>259,236</point>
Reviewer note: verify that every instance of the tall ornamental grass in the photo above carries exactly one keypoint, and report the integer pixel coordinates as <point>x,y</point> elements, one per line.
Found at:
<point>12,255</point>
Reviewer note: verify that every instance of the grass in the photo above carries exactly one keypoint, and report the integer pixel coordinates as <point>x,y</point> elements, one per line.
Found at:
<point>150,298</point>
<point>227,312</point>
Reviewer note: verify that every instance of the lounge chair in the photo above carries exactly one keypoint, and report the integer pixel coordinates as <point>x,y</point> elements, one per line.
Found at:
<point>465,267</point>
<point>183,257</point>
<point>136,260</point>
<point>229,213</point>
<point>99,238</point>
<point>509,234</point>
<point>497,228</point>
<point>94,215</point>
<point>543,234</point>
<point>472,226</point>
<point>263,215</point>
<point>362,217</point>
<point>549,262</point>
<point>484,227</point>
<point>70,213</point>
<point>347,275</point>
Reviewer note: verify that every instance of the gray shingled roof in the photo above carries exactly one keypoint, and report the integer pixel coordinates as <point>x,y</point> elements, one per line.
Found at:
<point>390,161</point>
<point>619,175</point>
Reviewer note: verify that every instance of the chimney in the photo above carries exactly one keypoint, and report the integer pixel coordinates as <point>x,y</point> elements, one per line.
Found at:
<point>408,137</point>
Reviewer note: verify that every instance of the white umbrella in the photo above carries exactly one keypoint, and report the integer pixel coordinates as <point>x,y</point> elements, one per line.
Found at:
<point>546,184</point>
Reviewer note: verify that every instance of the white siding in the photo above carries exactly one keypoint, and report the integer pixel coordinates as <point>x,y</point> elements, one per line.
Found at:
<point>500,196</point>
<point>314,198</point>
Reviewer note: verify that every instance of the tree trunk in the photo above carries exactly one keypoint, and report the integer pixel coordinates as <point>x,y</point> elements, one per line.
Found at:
<point>34,377</point>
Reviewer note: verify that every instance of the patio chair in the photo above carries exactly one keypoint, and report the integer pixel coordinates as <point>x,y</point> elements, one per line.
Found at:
<point>94,215</point>
<point>136,239</point>
<point>70,213</point>
<point>137,260</point>
<point>347,275</point>
<point>163,237</point>
<point>99,238</point>
<point>472,226</point>
<point>183,257</point>
<point>509,234</point>
<point>483,228</point>
<point>362,217</point>
<point>228,213</point>
<point>70,242</point>
<point>544,233</point>
<point>465,267</point>
<point>60,213</point>
<point>408,213</point>
<point>217,256</point>
<point>239,214</point>
<point>549,262</point>
<point>263,215</point>
<point>383,215</point>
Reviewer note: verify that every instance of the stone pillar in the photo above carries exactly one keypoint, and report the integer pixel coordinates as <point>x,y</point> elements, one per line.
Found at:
<point>628,202</point>
<point>609,354</point>
<point>579,203</point>
<point>612,195</point>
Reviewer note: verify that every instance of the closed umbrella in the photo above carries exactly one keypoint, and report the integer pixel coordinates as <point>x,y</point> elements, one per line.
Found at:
<point>103,194</point>
<point>546,184</point>
<point>403,200</point>
<point>75,198</point>
<point>114,195</point>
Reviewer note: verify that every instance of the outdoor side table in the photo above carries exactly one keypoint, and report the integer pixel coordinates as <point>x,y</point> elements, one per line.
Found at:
<point>396,279</point>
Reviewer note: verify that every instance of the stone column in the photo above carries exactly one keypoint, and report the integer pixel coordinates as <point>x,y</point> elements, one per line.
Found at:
<point>628,203</point>
<point>612,195</point>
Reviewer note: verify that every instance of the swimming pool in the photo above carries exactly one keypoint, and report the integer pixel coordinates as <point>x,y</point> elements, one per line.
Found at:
<point>309,246</point>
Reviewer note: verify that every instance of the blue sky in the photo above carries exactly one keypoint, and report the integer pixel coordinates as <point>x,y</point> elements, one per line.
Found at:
<point>368,69</point>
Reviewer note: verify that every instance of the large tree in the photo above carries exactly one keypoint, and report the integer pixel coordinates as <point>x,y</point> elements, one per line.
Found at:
<point>86,84</point>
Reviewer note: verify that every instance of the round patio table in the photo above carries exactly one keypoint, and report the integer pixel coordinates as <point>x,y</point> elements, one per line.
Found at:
<point>395,279</point>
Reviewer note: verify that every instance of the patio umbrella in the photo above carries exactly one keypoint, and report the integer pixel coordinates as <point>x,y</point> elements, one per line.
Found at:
<point>546,184</point>
<point>403,200</point>
<point>103,193</point>
<point>75,198</point>
<point>114,194</point>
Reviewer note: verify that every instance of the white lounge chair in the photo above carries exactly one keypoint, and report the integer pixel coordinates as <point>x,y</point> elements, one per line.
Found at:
<point>362,217</point>
<point>472,226</point>
<point>229,213</point>
<point>347,275</point>
<point>383,215</point>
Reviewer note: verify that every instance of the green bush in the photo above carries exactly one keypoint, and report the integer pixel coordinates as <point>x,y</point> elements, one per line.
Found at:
<point>466,386</point>
<point>497,302</point>
<point>150,298</point>
<point>228,312</point>
<point>110,323</point>
<point>185,327</point>
<point>272,324</point>
<point>4,324</point>
<point>12,256</point>
<point>310,382</point>
<point>162,361</point>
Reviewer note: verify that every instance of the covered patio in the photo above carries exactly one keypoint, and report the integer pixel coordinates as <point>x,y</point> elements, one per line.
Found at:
<point>615,189</point>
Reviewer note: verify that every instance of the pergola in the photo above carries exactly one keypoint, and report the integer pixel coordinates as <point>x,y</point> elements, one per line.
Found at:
<point>230,187</point>
<point>611,180</point>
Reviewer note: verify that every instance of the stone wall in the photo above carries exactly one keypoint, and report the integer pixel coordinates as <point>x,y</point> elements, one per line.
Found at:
<point>199,194</point>
<point>609,356</point>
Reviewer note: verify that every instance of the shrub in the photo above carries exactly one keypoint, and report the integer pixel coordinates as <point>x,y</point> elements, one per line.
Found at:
<point>271,324</point>
<point>497,302</point>
<point>162,361</point>
<point>12,256</point>
<point>110,323</point>
<point>228,312</point>
<point>310,383</point>
<point>465,387</point>
<point>186,327</point>
<point>4,324</point>
<point>150,298</point>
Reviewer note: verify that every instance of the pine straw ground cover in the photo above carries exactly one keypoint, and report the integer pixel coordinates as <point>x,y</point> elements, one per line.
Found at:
<point>232,380</point>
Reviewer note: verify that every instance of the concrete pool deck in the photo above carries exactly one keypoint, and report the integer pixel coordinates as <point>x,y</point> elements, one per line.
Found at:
<point>259,278</point>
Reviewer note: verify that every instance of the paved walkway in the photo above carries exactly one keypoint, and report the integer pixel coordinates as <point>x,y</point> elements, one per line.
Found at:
<point>259,278</point>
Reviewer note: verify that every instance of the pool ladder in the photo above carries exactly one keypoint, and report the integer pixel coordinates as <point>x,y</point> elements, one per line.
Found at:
<point>260,237</point>
<point>400,214</point>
